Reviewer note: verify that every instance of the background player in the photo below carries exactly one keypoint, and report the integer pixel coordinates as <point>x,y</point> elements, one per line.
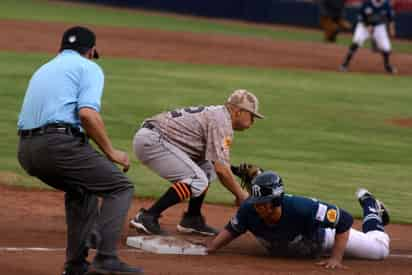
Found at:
<point>332,18</point>
<point>295,226</point>
<point>186,147</point>
<point>375,18</point>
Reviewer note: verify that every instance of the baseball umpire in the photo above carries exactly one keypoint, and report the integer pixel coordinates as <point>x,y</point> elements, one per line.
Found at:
<point>375,19</point>
<point>188,147</point>
<point>295,226</point>
<point>60,112</point>
<point>332,18</point>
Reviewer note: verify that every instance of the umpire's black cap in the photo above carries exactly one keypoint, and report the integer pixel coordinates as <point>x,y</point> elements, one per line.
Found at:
<point>80,39</point>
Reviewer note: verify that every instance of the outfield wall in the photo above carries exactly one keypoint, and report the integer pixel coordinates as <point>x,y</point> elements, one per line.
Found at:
<point>289,12</point>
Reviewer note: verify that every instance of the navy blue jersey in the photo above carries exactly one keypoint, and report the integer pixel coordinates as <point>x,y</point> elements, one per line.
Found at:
<point>302,220</point>
<point>374,14</point>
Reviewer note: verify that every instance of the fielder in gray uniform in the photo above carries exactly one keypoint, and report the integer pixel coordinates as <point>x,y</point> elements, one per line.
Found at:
<point>189,147</point>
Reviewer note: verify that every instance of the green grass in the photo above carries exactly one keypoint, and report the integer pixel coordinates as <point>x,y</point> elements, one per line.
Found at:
<point>324,139</point>
<point>39,10</point>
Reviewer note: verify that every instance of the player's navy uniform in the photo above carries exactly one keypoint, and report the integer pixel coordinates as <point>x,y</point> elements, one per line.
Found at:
<point>307,228</point>
<point>299,232</point>
<point>371,14</point>
<point>376,16</point>
<point>373,18</point>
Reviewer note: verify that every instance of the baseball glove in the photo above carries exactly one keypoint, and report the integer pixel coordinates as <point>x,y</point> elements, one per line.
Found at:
<point>246,172</point>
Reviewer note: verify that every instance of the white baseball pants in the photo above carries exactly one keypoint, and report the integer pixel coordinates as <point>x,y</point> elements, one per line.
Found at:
<point>379,34</point>
<point>373,245</point>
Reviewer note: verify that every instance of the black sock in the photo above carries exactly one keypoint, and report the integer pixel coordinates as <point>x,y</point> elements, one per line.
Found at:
<point>179,191</point>
<point>352,49</point>
<point>168,199</point>
<point>386,58</point>
<point>195,205</point>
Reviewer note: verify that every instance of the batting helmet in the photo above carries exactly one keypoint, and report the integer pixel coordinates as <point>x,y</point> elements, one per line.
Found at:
<point>267,187</point>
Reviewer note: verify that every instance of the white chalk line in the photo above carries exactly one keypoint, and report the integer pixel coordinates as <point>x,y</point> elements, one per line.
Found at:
<point>408,256</point>
<point>47,249</point>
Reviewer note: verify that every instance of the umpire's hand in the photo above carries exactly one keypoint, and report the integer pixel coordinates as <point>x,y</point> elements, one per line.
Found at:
<point>120,158</point>
<point>93,123</point>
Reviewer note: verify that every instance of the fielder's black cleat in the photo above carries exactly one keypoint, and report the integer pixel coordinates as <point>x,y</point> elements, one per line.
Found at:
<point>148,223</point>
<point>195,224</point>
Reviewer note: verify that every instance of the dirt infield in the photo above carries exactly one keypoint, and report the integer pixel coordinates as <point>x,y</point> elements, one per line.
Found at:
<point>33,219</point>
<point>199,48</point>
<point>402,122</point>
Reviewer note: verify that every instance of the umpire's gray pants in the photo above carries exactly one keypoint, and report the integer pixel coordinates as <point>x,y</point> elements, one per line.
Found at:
<point>70,164</point>
<point>170,162</point>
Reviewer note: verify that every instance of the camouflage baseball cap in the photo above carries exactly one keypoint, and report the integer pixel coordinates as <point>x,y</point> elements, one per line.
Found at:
<point>246,101</point>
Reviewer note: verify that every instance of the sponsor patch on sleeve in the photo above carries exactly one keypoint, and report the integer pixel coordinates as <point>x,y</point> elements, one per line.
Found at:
<point>227,142</point>
<point>332,215</point>
<point>320,214</point>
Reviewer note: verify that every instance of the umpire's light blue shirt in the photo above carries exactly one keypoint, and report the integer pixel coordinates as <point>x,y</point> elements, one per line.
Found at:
<point>59,89</point>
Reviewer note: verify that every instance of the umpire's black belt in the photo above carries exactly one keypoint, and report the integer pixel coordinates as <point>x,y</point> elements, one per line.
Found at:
<point>53,128</point>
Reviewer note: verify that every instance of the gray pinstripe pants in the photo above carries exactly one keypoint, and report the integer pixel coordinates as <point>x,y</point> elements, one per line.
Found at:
<point>170,162</point>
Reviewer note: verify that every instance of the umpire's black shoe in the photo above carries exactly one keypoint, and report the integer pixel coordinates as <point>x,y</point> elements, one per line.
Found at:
<point>195,224</point>
<point>111,265</point>
<point>147,222</point>
<point>362,194</point>
<point>79,269</point>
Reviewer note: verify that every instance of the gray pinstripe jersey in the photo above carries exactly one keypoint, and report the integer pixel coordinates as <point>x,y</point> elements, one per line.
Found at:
<point>204,133</point>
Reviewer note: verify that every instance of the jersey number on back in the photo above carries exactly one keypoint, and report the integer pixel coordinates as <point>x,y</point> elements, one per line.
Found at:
<point>191,110</point>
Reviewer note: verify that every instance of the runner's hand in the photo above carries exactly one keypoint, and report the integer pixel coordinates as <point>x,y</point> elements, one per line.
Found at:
<point>332,264</point>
